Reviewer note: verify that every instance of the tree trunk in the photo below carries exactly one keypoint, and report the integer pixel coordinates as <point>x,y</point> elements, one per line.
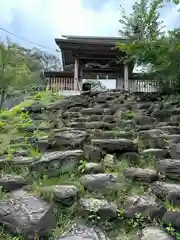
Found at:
<point>2,97</point>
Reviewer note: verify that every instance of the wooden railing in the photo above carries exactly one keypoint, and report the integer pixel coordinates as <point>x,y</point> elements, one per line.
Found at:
<point>140,85</point>
<point>56,84</point>
<point>66,84</point>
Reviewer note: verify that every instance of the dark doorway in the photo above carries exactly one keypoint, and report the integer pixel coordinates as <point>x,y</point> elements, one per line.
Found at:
<point>86,87</point>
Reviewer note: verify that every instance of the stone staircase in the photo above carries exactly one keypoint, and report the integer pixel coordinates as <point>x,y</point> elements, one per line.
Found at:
<point>121,152</point>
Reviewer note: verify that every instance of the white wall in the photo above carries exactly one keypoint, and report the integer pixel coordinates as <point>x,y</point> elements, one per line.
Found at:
<point>109,83</point>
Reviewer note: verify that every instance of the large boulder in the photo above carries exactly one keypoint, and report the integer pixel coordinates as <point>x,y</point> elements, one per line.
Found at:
<point>26,215</point>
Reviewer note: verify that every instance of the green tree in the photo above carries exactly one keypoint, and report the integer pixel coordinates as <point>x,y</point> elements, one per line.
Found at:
<point>40,60</point>
<point>14,71</point>
<point>174,1</point>
<point>162,53</point>
<point>143,23</point>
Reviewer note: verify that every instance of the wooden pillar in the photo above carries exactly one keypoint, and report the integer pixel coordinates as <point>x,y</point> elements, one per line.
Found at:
<point>76,71</point>
<point>119,82</point>
<point>81,73</point>
<point>126,78</point>
<point>47,83</point>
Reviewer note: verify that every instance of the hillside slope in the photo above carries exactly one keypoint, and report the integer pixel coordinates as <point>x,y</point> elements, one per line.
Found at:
<point>99,166</point>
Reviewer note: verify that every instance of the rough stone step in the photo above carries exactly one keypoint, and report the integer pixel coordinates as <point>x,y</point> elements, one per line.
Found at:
<point>64,194</point>
<point>170,129</point>
<point>144,120</point>
<point>163,189</point>
<point>109,119</point>
<point>156,153</point>
<point>175,118</point>
<point>90,125</point>
<point>167,123</point>
<point>101,207</point>
<point>53,163</point>
<point>153,138</point>
<point>143,127</point>
<point>174,138</point>
<point>174,150</point>
<point>78,119</point>
<point>43,142</point>
<point>92,167</point>
<point>150,134</point>
<point>113,134</point>
<point>119,145</point>
<point>70,115</point>
<point>93,153</point>
<point>174,198</point>
<point>96,111</point>
<point>83,232</point>
<point>69,103</point>
<point>142,175</point>
<point>153,233</point>
<point>109,161</point>
<point>144,105</point>
<point>11,182</point>
<point>146,205</point>
<point>92,118</point>
<point>172,218</point>
<point>170,168</point>
<point>69,137</point>
<point>17,161</point>
<point>26,215</point>
<point>101,182</point>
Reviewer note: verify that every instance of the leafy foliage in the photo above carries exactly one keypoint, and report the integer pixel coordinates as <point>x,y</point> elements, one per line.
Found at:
<point>160,51</point>
<point>143,22</point>
<point>39,60</point>
<point>22,69</point>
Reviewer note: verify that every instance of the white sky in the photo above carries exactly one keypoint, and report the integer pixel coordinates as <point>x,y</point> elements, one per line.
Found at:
<point>58,17</point>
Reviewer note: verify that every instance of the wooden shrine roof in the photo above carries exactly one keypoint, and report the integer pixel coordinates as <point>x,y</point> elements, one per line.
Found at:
<point>89,48</point>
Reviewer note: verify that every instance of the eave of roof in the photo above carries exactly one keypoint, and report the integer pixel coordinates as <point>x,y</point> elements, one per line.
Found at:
<point>58,74</point>
<point>88,47</point>
<point>90,41</point>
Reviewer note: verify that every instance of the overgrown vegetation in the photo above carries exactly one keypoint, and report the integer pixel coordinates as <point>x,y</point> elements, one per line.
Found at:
<point>151,45</point>
<point>21,69</point>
